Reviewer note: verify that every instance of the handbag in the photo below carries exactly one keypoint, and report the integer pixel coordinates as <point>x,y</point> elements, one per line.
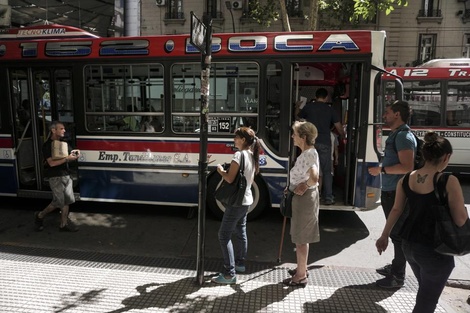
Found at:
<point>449,239</point>
<point>233,194</point>
<point>286,203</point>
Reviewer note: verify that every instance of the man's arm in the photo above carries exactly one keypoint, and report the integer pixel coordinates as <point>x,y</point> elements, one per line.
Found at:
<point>406,164</point>
<point>339,128</point>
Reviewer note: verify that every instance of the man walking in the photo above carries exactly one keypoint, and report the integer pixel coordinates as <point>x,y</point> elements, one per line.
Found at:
<point>400,149</point>
<point>321,114</point>
<point>57,171</point>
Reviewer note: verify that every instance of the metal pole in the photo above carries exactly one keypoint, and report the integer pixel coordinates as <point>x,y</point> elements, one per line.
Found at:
<point>204,116</point>
<point>228,4</point>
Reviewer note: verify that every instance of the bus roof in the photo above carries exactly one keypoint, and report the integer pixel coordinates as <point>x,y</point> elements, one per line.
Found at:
<point>459,62</point>
<point>77,43</point>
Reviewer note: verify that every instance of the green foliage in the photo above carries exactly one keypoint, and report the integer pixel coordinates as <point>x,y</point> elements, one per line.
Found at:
<point>263,14</point>
<point>367,9</point>
<point>334,13</point>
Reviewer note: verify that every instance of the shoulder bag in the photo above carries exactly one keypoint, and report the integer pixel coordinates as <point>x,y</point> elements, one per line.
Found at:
<point>233,194</point>
<point>286,203</point>
<point>449,239</point>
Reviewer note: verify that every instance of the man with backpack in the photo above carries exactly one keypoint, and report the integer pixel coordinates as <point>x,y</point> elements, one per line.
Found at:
<point>399,159</point>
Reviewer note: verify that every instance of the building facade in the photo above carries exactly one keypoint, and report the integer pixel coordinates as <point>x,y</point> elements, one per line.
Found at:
<point>424,30</point>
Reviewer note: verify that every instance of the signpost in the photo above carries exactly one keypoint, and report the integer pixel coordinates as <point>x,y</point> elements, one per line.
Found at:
<point>201,38</point>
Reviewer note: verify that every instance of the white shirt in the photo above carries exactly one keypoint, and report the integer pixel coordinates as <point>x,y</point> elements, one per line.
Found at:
<point>249,173</point>
<point>300,172</point>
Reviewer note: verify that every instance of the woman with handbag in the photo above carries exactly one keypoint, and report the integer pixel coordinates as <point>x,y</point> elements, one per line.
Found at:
<point>234,219</point>
<point>303,181</point>
<point>431,269</point>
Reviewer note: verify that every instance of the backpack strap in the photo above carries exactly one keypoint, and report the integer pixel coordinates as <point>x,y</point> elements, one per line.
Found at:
<point>242,163</point>
<point>440,187</point>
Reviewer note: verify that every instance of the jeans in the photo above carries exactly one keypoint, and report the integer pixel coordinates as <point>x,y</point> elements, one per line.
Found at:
<point>399,260</point>
<point>431,270</point>
<point>324,155</point>
<point>234,221</point>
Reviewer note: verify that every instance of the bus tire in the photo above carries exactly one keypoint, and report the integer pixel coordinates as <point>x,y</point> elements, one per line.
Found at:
<point>258,188</point>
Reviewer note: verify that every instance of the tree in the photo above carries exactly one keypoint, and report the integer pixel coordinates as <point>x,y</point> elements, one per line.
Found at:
<point>352,11</point>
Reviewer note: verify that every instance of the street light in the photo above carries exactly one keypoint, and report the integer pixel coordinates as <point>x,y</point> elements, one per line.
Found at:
<point>228,4</point>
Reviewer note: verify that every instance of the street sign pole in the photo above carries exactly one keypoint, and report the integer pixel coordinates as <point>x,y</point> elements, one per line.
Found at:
<point>201,38</point>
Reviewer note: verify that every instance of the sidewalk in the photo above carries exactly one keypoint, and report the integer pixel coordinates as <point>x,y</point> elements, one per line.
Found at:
<point>57,280</point>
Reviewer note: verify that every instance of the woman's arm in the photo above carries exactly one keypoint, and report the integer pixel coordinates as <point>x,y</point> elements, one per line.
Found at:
<point>456,202</point>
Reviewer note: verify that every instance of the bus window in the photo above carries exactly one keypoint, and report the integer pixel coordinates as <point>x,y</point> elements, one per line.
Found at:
<point>425,103</point>
<point>458,104</point>
<point>233,98</point>
<point>117,94</point>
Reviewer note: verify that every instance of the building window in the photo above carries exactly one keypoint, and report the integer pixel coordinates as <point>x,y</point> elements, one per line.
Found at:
<point>294,8</point>
<point>430,8</point>
<point>427,47</point>
<point>466,46</point>
<point>175,10</point>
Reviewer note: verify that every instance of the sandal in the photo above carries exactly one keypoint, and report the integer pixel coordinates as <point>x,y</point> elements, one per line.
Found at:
<point>292,272</point>
<point>290,282</point>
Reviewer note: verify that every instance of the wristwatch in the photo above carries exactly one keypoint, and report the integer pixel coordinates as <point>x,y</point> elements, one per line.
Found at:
<point>383,170</point>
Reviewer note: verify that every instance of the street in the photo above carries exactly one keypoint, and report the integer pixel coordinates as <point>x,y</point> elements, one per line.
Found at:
<point>347,238</point>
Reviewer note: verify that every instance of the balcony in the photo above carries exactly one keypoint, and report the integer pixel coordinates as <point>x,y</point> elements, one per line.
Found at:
<point>174,18</point>
<point>429,16</point>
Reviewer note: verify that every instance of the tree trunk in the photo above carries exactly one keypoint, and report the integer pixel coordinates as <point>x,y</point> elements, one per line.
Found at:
<point>284,16</point>
<point>314,5</point>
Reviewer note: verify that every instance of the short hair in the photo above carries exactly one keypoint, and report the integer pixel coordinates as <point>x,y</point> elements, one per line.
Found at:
<point>307,130</point>
<point>54,124</point>
<point>321,93</point>
<point>401,106</point>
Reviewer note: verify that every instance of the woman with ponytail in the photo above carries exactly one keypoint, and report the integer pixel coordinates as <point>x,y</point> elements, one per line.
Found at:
<point>234,219</point>
<point>431,269</point>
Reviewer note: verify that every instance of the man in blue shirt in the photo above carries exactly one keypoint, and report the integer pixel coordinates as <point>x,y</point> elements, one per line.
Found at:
<point>398,160</point>
<point>322,115</point>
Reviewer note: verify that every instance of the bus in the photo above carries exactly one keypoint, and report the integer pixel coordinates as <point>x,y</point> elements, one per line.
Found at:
<point>438,92</point>
<point>132,106</point>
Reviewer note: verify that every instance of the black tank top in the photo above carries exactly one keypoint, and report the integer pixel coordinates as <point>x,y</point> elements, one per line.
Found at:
<point>419,226</point>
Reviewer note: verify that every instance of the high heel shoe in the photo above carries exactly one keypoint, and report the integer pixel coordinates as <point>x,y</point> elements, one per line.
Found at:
<point>292,272</point>
<point>290,282</point>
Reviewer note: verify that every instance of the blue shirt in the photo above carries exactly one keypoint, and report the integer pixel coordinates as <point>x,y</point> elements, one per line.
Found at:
<point>400,139</point>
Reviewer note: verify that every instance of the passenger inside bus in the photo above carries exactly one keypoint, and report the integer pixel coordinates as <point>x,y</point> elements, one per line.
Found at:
<point>130,122</point>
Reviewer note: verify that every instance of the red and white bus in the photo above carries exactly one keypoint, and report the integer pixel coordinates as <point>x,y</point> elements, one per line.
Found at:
<point>108,90</point>
<point>439,94</point>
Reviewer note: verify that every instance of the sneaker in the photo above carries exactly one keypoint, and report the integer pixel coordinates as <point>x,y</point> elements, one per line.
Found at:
<point>390,282</point>
<point>385,271</point>
<point>328,202</point>
<point>240,268</point>
<point>69,227</point>
<point>220,279</point>
<point>38,222</point>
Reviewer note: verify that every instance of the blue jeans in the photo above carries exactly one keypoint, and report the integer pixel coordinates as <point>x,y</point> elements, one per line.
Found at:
<point>431,270</point>
<point>234,221</point>
<point>324,156</point>
<point>399,261</point>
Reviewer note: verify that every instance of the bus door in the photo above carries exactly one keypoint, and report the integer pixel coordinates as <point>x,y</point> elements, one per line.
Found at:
<point>41,96</point>
<point>344,83</point>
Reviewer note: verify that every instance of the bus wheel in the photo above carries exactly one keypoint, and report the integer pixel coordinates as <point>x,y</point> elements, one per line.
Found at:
<point>258,188</point>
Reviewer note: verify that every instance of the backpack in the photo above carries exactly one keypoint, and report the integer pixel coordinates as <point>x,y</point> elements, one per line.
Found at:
<point>419,159</point>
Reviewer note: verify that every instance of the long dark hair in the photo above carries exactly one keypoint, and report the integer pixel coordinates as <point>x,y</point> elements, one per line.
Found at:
<point>435,147</point>
<point>251,142</point>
